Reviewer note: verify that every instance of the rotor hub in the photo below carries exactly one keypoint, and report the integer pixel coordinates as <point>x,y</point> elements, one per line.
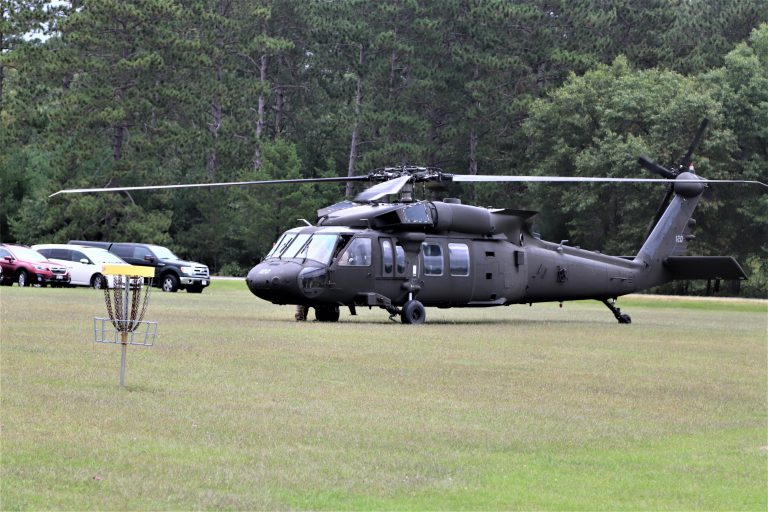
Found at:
<point>686,188</point>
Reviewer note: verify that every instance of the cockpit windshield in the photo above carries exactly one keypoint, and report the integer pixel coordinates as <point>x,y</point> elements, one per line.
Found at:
<point>312,246</point>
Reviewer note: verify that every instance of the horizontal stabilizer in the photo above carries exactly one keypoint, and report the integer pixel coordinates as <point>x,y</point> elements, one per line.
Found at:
<point>704,267</point>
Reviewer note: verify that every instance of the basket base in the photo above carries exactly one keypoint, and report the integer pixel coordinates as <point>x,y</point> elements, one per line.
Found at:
<point>144,333</point>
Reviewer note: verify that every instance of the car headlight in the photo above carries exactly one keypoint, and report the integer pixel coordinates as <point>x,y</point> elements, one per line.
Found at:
<point>40,267</point>
<point>188,270</point>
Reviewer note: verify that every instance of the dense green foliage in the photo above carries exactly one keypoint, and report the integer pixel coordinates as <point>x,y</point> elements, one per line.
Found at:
<point>167,91</point>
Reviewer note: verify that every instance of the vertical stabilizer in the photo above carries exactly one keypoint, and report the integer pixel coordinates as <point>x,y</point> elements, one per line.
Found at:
<point>669,236</point>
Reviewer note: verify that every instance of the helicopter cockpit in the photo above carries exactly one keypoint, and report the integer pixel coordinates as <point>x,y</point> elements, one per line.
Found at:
<point>299,264</point>
<point>322,247</point>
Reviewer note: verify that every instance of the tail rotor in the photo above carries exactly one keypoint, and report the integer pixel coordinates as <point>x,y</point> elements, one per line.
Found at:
<point>672,172</point>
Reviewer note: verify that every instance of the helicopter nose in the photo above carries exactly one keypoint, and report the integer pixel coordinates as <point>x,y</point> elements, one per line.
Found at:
<point>274,281</point>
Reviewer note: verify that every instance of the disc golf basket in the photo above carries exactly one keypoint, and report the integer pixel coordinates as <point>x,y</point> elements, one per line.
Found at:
<point>126,305</point>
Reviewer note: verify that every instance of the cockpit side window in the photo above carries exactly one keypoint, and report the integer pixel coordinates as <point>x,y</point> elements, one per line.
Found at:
<point>357,253</point>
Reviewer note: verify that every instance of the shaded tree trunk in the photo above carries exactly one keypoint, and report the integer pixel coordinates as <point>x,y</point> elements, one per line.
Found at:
<point>213,128</point>
<point>263,62</point>
<point>356,127</point>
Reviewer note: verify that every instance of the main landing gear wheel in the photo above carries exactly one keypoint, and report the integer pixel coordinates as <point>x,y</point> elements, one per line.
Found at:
<point>413,313</point>
<point>327,313</point>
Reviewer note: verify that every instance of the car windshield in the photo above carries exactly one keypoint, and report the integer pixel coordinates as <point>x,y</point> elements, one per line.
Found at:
<point>163,253</point>
<point>317,247</point>
<point>25,254</point>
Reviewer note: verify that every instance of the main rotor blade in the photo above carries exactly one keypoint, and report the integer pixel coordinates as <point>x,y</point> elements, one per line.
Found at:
<point>382,189</point>
<point>201,185</point>
<point>563,179</point>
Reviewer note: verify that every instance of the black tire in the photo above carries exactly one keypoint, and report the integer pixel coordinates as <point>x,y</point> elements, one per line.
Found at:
<point>22,278</point>
<point>195,288</point>
<point>413,313</point>
<point>327,313</point>
<point>169,283</point>
<point>98,282</point>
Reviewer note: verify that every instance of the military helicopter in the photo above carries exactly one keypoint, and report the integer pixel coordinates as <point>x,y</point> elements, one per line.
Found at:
<point>386,249</point>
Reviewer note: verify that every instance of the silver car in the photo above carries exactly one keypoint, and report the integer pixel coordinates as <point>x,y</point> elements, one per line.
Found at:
<point>84,263</point>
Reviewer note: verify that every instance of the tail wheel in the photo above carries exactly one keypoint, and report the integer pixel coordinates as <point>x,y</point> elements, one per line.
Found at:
<point>413,313</point>
<point>22,279</point>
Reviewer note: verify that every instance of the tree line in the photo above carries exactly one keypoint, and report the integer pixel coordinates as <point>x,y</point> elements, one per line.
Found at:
<point>118,93</point>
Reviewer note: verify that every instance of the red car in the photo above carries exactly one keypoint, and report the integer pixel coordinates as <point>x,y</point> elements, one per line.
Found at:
<point>28,267</point>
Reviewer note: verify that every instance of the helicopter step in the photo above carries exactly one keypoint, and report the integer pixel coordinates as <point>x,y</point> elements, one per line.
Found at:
<point>622,318</point>
<point>412,312</point>
<point>372,299</point>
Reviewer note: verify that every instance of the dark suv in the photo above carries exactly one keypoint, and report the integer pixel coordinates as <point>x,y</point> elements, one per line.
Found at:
<point>28,267</point>
<point>171,272</point>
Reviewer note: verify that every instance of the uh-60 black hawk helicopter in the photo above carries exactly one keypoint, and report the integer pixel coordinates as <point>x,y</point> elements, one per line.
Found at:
<point>403,255</point>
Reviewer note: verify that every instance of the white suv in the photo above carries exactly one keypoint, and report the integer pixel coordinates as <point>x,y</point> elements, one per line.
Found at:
<point>84,262</point>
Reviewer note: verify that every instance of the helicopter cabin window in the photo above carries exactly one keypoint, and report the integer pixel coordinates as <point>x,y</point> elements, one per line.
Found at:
<point>400,259</point>
<point>433,259</point>
<point>458,257</point>
<point>387,258</point>
<point>357,253</point>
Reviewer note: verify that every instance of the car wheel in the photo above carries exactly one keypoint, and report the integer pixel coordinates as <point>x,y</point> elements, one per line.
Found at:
<point>169,283</point>
<point>98,281</point>
<point>22,279</point>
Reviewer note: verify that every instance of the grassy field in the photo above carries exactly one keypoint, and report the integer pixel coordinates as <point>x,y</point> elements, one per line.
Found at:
<point>239,407</point>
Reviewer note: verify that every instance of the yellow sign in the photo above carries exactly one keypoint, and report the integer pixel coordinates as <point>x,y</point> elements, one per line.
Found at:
<point>116,269</point>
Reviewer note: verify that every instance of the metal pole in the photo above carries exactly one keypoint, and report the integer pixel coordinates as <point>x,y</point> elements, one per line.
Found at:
<point>123,331</point>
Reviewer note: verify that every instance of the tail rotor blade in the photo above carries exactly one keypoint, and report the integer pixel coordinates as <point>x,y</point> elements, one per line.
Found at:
<point>656,168</point>
<point>686,161</point>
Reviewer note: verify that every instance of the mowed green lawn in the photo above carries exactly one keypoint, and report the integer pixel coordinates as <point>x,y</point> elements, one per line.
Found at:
<point>239,407</point>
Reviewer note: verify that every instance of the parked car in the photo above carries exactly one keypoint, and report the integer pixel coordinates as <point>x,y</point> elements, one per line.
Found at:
<point>84,263</point>
<point>27,267</point>
<point>171,272</point>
